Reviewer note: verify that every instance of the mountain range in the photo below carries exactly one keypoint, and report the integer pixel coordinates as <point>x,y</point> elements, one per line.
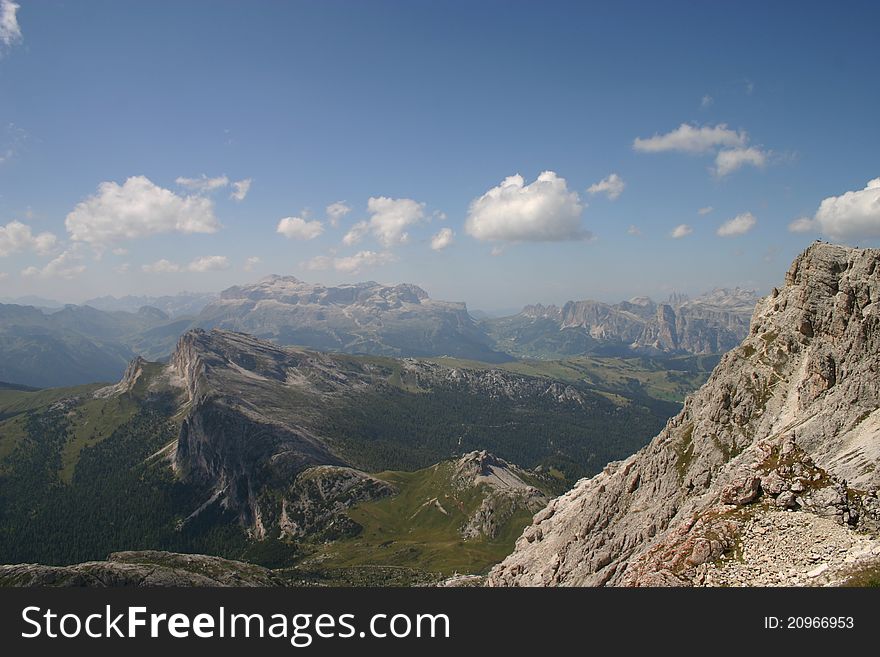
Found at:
<point>709,324</point>
<point>313,467</point>
<point>83,344</point>
<point>243,449</point>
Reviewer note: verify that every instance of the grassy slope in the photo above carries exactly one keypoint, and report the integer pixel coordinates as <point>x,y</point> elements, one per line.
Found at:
<point>408,530</point>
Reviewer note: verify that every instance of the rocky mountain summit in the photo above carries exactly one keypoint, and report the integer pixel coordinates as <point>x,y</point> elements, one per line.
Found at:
<point>710,323</point>
<point>507,492</point>
<point>782,440</point>
<point>367,318</point>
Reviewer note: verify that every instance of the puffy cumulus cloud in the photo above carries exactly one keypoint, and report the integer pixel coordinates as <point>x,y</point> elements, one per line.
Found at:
<point>199,265</point>
<point>350,264</point>
<point>706,101</point>
<point>251,263</point>
<point>729,160</point>
<point>10,31</point>
<point>739,225</point>
<point>391,217</point>
<point>208,263</point>
<point>543,211</point>
<point>634,231</point>
<point>803,225</point>
<point>16,237</point>
<point>731,147</point>
<point>704,211</point>
<point>336,211</point>
<point>162,266</point>
<point>297,228</point>
<point>138,208</point>
<point>853,215</point>
<point>682,230</point>
<point>442,239</point>
<point>67,265</point>
<point>388,223</point>
<point>612,187</point>
<point>692,139</point>
<point>240,189</point>
<point>356,233</point>
<point>122,269</point>
<point>203,184</point>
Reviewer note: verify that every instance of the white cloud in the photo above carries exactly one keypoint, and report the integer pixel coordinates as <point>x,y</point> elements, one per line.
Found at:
<point>350,264</point>
<point>442,239</point>
<point>67,265</point>
<point>10,31</point>
<point>803,225</point>
<point>729,160</point>
<point>706,101</point>
<point>199,265</point>
<point>119,251</point>
<point>3,275</point>
<point>682,230</point>
<point>16,237</point>
<point>122,269</point>
<point>356,233</point>
<point>390,218</point>
<point>543,211</point>
<point>240,189</point>
<point>731,148</point>
<point>739,225</point>
<point>496,251</point>
<point>138,208</point>
<point>852,215</point>
<point>297,228</point>
<point>251,263</point>
<point>692,139</point>
<point>208,263</point>
<point>336,211</point>
<point>319,263</point>
<point>612,186</point>
<point>634,231</point>
<point>203,184</point>
<point>161,267</point>
<point>704,211</point>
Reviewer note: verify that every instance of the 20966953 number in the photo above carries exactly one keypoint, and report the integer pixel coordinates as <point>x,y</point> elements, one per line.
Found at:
<point>820,622</point>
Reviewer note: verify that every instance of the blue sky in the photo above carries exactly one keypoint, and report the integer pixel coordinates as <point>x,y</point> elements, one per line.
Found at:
<point>759,111</point>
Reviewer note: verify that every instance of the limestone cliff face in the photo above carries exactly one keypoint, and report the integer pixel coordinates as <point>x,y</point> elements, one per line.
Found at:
<point>789,420</point>
<point>240,434</point>
<point>709,324</point>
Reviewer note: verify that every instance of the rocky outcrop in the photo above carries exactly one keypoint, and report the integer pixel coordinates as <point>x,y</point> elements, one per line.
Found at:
<point>141,569</point>
<point>788,420</point>
<point>315,507</point>
<point>506,492</point>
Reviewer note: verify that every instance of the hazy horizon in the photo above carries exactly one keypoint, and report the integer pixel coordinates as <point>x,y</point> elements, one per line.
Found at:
<point>490,309</point>
<point>496,153</point>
